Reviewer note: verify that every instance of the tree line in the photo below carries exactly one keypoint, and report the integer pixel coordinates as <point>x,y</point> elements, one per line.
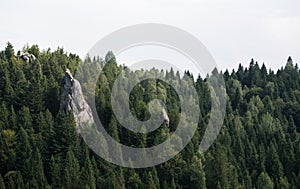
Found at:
<point>258,146</point>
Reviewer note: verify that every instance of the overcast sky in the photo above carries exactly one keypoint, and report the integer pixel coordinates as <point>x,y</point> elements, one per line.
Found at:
<point>234,31</point>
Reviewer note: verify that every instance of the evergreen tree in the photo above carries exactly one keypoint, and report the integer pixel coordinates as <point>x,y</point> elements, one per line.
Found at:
<point>2,185</point>
<point>38,170</point>
<point>71,171</point>
<point>150,181</point>
<point>64,136</point>
<point>87,176</point>
<point>55,173</point>
<point>264,181</point>
<point>133,181</point>
<point>24,152</point>
<point>9,51</point>
<point>25,120</point>
<point>196,174</point>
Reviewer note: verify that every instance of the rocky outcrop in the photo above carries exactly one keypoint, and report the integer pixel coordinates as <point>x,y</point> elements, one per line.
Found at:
<point>72,100</point>
<point>27,57</point>
<point>165,116</point>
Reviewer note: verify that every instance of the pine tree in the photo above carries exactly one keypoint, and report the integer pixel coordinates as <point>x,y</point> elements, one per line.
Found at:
<point>274,166</point>
<point>23,151</point>
<point>64,136</point>
<point>25,120</point>
<point>55,173</point>
<point>3,155</point>
<point>264,181</point>
<point>133,181</point>
<point>9,94</point>
<point>115,149</point>
<point>9,139</point>
<point>196,174</point>
<point>14,180</point>
<point>9,51</point>
<point>173,184</point>
<point>13,122</point>
<point>71,171</point>
<point>38,170</point>
<point>35,96</point>
<point>4,124</point>
<point>2,185</point>
<point>87,176</point>
<point>150,182</point>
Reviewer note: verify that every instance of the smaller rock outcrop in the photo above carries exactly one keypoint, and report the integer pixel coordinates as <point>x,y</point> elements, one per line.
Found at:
<point>165,116</point>
<point>27,57</point>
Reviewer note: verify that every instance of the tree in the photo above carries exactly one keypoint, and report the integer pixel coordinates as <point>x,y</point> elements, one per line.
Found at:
<point>64,136</point>
<point>55,173</point>
<point>2,185</point>
<point>264,181</point>
<point>216,168</point>
<point>9,94</point>
<point>9,51</point>
<point>9,139</point>
<point>150,182</point>
<point>4,117</point>
<point>23,151</point>
<point>87,176</point>
<point>133,181</point>
<point>13,122</point>
<point>38,170</point>
<point>274,166</point>
<point>14,180</point>
<point>34,49</point>
<point>115,149</point>
<point>71,171</point>
<point>196,174</point>
<point>25,120</point>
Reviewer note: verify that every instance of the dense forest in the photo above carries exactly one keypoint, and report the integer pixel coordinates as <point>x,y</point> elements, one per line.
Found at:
<point>258,146</point>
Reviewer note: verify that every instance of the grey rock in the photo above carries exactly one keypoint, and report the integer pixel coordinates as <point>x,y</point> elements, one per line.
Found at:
<point>165,116</point>
<point>27,57</point>
<point>72,100</point>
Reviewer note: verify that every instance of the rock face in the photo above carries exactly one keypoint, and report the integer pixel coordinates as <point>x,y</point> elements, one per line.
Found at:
<point>72,100</point>
<point>165,116</point>
<point>27,57</point>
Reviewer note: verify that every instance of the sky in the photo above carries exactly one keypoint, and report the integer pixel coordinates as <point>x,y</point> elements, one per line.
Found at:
<point>234,31</point>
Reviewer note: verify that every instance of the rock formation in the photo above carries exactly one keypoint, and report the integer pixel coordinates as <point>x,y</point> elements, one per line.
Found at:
<point>165,116</point>
<point>72,100</point>
<point>27,57</point>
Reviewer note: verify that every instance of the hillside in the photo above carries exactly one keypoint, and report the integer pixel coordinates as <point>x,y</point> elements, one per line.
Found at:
<point>258,146</point>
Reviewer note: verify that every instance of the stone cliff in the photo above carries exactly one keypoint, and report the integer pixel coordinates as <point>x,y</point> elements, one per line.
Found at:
<point>72,100</point>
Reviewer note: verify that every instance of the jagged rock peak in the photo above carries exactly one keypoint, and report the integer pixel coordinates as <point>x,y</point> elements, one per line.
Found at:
<point>72,100</point>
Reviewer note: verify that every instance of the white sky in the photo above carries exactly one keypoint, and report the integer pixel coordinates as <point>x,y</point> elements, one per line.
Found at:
<point>234,31</point>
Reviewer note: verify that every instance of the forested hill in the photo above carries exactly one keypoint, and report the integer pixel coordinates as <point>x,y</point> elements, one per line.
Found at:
<point>258,147</point>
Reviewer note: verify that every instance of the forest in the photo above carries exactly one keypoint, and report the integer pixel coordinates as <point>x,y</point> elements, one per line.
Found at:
<point>258,145</point>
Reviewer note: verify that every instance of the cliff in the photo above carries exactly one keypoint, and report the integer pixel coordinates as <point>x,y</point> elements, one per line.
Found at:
<point>72,100</point>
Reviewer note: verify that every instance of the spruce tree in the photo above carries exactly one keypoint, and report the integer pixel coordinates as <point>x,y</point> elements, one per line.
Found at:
<point>264,181</point>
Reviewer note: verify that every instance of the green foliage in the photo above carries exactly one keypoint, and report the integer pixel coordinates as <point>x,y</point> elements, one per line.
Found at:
<point>264,181</point>
<point>72,171</point>
<point>258,146</point>
<point>64,136</point>
<point>2,185</point>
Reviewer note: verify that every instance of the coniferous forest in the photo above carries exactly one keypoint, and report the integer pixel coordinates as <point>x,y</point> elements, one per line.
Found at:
<point>258,146</point>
